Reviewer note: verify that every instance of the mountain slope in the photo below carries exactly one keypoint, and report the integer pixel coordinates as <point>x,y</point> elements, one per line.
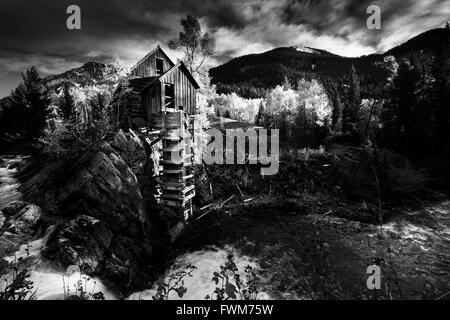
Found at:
<point>427,42</point>
<point>252,75</point>
<point>90,73</point>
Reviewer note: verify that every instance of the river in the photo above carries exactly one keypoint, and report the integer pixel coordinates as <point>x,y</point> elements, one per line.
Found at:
<point>8,183</point>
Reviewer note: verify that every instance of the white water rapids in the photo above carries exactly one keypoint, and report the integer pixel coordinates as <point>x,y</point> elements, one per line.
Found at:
<point>8,183</point>
<point>207,261</point>
<point>49,283</point>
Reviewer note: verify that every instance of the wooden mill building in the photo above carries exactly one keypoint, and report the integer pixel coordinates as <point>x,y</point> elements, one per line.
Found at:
<point>160,104</point>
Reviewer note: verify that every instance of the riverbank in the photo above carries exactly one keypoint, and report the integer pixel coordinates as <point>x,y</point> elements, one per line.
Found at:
<point>300,247</point>
<point>320,256</point>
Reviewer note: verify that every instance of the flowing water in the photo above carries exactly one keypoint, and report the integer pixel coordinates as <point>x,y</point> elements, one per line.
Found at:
<point>49,283</point>
<point>207,261</point>
<point>8,183</point>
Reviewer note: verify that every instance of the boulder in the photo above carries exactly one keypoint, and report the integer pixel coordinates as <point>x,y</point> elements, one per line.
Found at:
<point>18,228</point>
<point>9,243</point>
<point>104,225</point>
<point>26,222</point>
<point>83,241</point>
<point>101,221</point>
<point>2,220</point>
<point>129,147</point>
<point>14,208</point>
<point>107,189</point>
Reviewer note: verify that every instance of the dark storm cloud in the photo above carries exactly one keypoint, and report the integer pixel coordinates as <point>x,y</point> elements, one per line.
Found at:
<point>42,20</point>
<point>39,26</point>
<point>325,15</point>
<point>35,33</point>
<point>339,18</point>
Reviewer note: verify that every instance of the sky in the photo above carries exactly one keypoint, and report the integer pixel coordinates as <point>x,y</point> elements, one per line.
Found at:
<point>35,33</point>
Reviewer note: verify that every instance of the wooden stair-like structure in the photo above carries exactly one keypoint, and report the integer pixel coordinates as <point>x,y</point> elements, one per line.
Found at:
<point>176,163</point>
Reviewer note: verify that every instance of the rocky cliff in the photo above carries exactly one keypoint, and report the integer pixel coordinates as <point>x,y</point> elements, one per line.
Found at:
<point>99,219</point>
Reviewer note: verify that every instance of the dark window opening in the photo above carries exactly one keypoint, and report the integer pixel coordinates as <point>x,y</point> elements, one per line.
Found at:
<point>159,66</point>
<point>169,95</point>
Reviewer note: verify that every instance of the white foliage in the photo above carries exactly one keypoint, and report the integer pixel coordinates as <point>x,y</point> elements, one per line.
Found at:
<point>240,108</point>
<point>312,95</point>
<point>309,94</point>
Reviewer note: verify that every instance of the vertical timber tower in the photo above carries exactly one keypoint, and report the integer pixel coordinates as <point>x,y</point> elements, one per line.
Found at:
<point>160,105</point>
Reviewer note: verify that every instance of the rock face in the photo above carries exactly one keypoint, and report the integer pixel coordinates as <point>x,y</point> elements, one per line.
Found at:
<point>83,241</point>
<point>18,226</point>
<point>2,220</point>
<point>128,147</point>
<point>13,208</point>
<point>19,222</point>
<point>26,222</point>
<point>103,225</point>
<point>104,188</point>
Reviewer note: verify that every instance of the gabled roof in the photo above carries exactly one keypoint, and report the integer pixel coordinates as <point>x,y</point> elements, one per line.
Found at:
<point>183,67</point>
<point>152,52</point>
<point>180,65</point>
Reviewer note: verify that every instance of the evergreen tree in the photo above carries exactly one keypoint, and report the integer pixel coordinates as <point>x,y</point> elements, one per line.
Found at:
<point>397,115</point>
<point>14,119</point>
<point>227,114</point>
<point>67,104</point>
<point>97,108</point>
<point>260,116</point>
<point>352,104</point>
<point>440,71</point>
<point>423,124</point>
<point>32,95</point>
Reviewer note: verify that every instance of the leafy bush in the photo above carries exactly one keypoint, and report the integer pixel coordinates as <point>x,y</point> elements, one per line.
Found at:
<point>369,174</point>
<point>19,286</point>
<point>80,290</point>
<point>87,129</point>
<point>228,281</point>
<point>173,283</point>
<point>300,170</point>
<point>229,284</point>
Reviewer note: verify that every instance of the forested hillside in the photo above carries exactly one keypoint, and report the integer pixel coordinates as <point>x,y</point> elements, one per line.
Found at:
<point>252,75</point>
<point>397,100</point>
<point>24,112</point>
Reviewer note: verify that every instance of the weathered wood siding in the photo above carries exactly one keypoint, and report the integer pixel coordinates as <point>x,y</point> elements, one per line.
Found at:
<point>147,67</point>
<point>152,99</point>
<point>185,92</point>
<point>149,96</point>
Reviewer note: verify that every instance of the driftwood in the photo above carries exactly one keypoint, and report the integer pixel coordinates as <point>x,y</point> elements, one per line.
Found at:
<point>248,200</point>
<point>242,195</point>
<point>214,207</point>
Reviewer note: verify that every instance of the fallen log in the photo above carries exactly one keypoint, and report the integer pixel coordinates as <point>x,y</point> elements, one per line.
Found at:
<point>214,207</point>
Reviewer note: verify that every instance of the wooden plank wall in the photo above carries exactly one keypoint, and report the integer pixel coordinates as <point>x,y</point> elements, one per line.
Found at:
<point>147,68</point>
<point>185,92</point>
<point>152,100</point>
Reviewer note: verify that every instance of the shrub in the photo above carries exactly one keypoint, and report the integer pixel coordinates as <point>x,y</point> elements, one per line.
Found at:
<point>19,286</point>
<point>86,131</point>
<point>369,174</point>
<point>229,284</point>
